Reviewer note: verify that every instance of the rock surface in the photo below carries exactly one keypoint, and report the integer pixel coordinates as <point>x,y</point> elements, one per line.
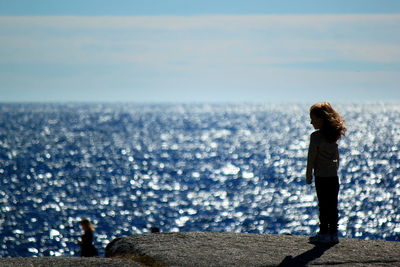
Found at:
<point>66,262</point>
<point>233,249</point>
<point>226,249</point>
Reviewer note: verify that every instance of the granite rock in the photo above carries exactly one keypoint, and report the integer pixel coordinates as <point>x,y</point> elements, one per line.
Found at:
<point>237,249</point>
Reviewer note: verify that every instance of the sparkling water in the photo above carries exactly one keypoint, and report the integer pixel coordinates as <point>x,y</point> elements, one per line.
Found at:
<point>181,167</point>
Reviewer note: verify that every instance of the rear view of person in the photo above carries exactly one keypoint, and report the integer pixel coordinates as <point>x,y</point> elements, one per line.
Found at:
<point>323,163</point>
<point>86,243</point>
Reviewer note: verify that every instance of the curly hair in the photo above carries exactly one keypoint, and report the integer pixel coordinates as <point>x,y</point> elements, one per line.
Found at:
<point>333,127</point>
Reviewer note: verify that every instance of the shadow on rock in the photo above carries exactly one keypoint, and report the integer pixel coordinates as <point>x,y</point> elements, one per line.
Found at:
<point>306,257</point>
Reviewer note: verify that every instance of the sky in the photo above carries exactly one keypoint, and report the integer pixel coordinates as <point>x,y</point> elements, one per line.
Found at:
<point>199,51</point>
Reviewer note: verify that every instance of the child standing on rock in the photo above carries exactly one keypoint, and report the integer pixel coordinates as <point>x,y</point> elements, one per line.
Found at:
<point>323,163</point>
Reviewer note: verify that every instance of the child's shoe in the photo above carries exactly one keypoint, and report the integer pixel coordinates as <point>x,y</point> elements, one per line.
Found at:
<point>334,238</point>
<point>320,238</point>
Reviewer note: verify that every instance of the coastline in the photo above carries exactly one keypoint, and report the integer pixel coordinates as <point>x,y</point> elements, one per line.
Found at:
<point>227,249</point>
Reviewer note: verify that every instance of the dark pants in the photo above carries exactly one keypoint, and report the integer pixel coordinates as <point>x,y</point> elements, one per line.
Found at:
<point>327,193</point>
<point>88,250</point>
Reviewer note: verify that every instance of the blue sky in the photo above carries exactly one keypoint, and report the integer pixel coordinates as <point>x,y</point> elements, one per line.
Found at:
<point>188,7</point>
<point>199,51</point>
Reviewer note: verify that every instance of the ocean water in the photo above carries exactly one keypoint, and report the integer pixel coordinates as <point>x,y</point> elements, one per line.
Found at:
<point>200,167</point>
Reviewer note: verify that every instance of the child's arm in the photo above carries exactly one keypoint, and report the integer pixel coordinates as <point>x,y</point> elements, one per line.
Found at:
<point>312,154</point>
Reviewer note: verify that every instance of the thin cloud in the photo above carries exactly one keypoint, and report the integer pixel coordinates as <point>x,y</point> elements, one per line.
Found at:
<point>200,21</point>
<point>195,52</point>
<point>275,37</point>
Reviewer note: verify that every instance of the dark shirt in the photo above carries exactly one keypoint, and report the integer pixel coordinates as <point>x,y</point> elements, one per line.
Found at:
<point>323,157</point>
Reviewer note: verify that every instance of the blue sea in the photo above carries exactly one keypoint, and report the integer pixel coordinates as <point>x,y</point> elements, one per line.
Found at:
<point>185,167</point>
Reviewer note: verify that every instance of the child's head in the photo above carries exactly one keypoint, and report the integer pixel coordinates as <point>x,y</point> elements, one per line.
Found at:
<point>328,120</point>
<point>86,225</point>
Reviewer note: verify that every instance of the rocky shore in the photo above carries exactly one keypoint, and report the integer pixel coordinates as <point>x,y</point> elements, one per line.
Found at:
<point>228,249</point>
<point>66,262</point>
<point>233,249</point>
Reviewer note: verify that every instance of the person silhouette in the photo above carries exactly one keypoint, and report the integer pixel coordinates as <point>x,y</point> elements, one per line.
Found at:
<point>323,163</point>
<point>86,242</point>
